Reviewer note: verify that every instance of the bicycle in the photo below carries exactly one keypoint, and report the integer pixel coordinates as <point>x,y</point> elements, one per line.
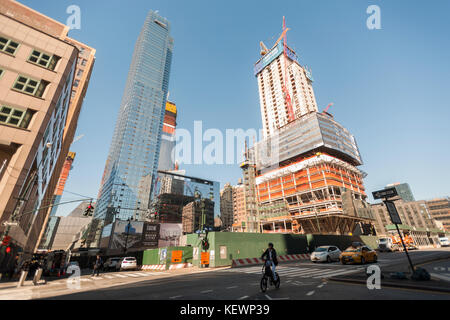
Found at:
<point>267,274</point>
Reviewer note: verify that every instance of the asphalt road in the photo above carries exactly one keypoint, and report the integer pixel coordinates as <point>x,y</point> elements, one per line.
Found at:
<point>299,280</point>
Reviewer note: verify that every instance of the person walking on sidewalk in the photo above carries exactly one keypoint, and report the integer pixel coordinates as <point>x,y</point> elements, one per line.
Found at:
<point>97,265</point>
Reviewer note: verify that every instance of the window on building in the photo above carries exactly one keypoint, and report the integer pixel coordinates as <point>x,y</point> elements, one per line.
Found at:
<point>15,116</point>
<point>44,59</point>
<point>30,86</point>
<point>1,72</point>
<point>8,46</point>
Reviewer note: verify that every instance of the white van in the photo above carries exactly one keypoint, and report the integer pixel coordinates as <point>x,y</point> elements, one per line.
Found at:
<point>443,241</point>
<point>386,244</point>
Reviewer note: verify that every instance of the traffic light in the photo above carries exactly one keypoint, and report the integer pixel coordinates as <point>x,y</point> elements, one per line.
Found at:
<point>8,249</point>
<point>205,244</point>
<point>6,240</point>
<point>89,209</point>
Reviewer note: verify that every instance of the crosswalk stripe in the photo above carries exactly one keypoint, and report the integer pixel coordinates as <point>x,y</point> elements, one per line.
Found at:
<point>298,271</point>
<point>315,273</point>
<point>132,275</point>
<point>120,275</point>
<point>308,274</point>
<point>337,273</point>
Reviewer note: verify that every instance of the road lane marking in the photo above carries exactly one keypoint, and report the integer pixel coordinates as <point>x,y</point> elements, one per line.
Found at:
<point>242,298</point>
<point>175,297</point>
<point>233,287</point>
<point>441,277</point>
<point>310,293</point>
<point>270,298</point>
<point>206,291</point>
<point>320,285</point>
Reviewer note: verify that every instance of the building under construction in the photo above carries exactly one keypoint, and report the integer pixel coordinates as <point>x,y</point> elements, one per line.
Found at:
<point>306,174</point>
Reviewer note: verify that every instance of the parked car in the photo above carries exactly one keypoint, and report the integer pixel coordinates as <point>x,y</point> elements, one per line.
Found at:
<point>443,241</point>
<point>111,264</point>
<point>127,263</point>
<point>359,254</point>
<point>326,253</point>
<point>387,244</point>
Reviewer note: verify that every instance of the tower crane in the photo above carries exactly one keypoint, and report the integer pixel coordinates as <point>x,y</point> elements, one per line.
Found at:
<point>326,109</point>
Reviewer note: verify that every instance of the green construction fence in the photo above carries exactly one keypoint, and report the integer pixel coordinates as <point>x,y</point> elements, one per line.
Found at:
<point>227,246</point>
<point>164,256</point>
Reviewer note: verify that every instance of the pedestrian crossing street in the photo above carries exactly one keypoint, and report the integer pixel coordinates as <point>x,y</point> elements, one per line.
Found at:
<point>112,275</point>
<point>301,272</point>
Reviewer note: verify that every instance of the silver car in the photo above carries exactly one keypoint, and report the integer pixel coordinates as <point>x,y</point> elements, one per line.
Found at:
<point>127,263</point>
<point>111,264</point>
<point>326,254</point>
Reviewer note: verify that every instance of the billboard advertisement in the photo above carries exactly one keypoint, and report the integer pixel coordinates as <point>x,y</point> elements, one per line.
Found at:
<point>134,235</point>
<point>169,234</point>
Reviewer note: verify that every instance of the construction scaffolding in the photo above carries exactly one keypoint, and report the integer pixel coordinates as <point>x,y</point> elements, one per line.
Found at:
<point>322,194</point>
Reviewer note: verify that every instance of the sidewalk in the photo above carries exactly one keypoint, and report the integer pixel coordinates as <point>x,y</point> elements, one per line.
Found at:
<point>9,290</point>
<point>434,284</point>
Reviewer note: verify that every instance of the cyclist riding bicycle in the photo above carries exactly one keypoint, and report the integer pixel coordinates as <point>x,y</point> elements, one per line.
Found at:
<point>271,255</point>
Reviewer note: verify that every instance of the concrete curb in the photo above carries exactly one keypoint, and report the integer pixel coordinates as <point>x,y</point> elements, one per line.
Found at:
<point>392,284</point>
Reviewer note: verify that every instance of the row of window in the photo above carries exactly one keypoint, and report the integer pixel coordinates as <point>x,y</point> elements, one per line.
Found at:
<point>39,58</point>
<point>15,116</point>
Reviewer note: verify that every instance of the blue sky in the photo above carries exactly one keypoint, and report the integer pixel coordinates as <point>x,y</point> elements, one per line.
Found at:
<point>390,87</point>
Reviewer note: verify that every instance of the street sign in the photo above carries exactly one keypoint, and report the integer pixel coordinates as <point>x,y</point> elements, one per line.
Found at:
<point>177,256</point>
<point>12,224</point>
<point>393,213</point>
<point>385,193</point>
<point>204,258</point>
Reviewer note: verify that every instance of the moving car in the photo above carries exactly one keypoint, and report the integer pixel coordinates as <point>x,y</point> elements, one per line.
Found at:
<point>358,254</point>
<point>326,253</point>
<point>387,244</point>
<point>111,264</point>
<point>443,241</point>
<point>127,263</point>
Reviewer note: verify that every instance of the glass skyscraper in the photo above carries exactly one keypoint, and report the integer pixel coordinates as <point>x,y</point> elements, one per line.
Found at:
<point>132,162</point>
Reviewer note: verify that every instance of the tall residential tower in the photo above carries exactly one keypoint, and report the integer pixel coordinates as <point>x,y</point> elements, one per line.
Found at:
<point>309,181</point>
<point>133,157</point>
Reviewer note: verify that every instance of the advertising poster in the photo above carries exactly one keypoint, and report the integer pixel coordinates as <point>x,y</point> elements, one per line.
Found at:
<point>170,234</point>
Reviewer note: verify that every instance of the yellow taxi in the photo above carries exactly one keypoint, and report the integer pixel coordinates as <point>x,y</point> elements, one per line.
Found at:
<point>358,254</point>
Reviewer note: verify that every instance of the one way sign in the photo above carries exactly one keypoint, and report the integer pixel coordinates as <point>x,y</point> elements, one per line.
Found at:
<point>385,193</point>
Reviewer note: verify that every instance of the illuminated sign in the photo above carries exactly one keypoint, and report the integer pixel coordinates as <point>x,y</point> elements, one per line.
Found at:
<point>272,55</point>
